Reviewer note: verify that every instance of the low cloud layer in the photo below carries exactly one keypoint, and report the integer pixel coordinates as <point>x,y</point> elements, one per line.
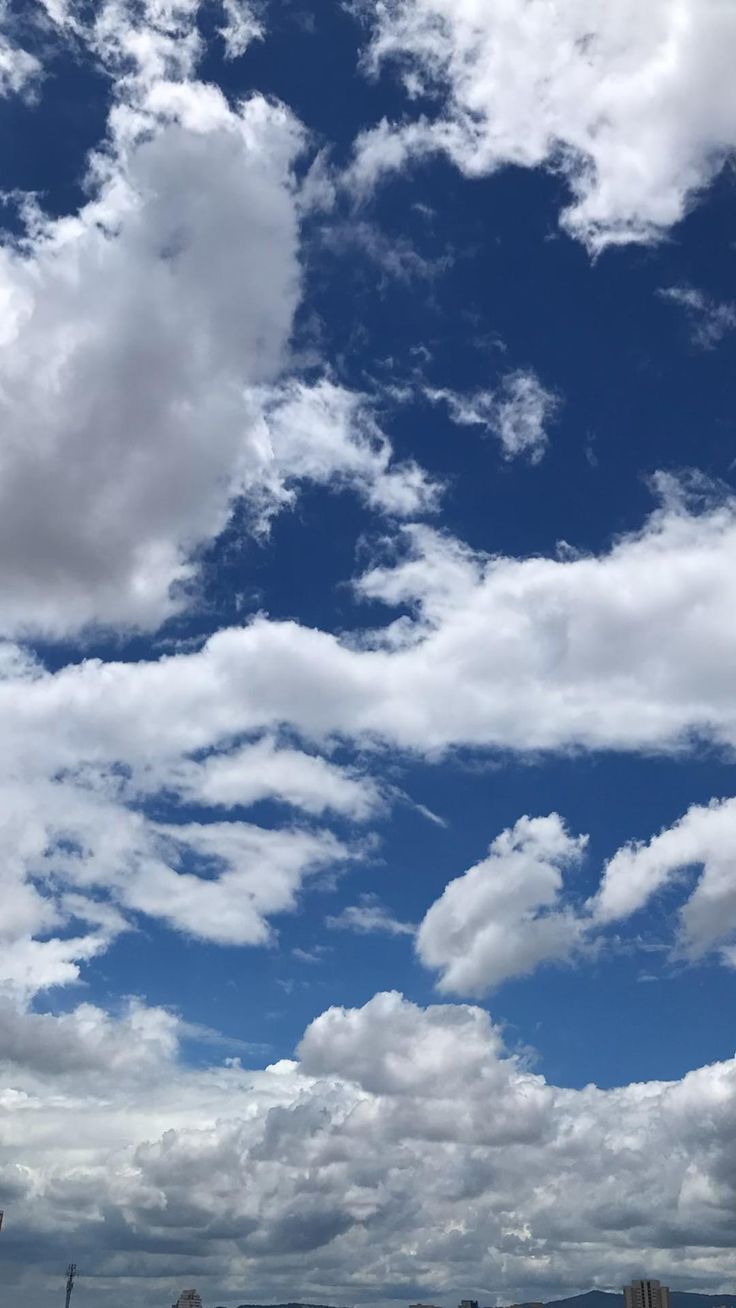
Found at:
<point>406,1151</point>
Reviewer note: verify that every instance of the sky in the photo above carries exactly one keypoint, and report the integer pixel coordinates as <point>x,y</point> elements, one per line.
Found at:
<point>367,635</point>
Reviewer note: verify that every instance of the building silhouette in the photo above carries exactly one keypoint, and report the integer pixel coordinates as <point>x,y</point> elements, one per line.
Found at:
<point>646,1294</point>
<point>188,1299</point>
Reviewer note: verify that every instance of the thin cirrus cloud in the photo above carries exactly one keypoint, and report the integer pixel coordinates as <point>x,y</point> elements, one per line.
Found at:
<point>601,93</point>
<point>518,412</point>
<point>369,917</point>
<point>710,319</point>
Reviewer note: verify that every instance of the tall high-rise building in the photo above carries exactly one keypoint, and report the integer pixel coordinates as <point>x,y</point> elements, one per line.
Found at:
<point>188,1299</point>
<point>646,1294</point>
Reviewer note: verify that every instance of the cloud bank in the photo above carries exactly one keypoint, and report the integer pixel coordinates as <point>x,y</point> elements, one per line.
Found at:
<point>405,1149</point>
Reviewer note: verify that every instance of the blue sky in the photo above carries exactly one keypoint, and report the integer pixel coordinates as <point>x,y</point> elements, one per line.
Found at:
<point>367,545</point>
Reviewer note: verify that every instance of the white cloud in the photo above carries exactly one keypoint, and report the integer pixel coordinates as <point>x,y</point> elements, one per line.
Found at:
<point>73,855</point>
<point>19,70</point>
<point>406,1147</point>
<point>539,653</point>
<point>142,389</point>
<point>710,319</point>
<point>634,104</point>
<point>325,433</point>
<point>505,916</point>
<point>241,27</point>
<point>141,323</point>
<point>370,917</point>
<point>147,40</point>
<point>144,392</point>
<point>88,1041</point>
<point>258,874</point>
<point>28,965</point>
<point>141,42</point>
<point>536,653</point>
<point>518,413</point>
<point>705,838</point>
<point>263,770</point>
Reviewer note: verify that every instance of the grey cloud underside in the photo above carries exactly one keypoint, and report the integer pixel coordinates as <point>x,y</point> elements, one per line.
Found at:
<point>406,1148</point>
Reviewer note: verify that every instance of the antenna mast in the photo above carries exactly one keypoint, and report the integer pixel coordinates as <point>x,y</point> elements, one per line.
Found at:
<point>71,1273</point>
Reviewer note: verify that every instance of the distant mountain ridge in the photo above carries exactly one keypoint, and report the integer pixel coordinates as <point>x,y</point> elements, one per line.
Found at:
<point>591,1299</point>
<point>678,1299</point>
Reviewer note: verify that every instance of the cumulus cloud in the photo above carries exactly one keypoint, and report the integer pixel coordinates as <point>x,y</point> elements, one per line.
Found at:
<point>710,320</point>
<point>704,838</point>
<point>505,916</point>
<point>536,653</point>
<point>404,1147</point>
<point>518,413</point>
<point>634,105</point>
<point>499,653</point>
<point>143,387</point>
<point>140,323</point>
<point>87,1041</point>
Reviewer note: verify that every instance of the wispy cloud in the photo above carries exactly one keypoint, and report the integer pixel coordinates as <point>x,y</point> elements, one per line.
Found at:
<point>518,412</point>
<point>369,916</point>
<point>710,320</point>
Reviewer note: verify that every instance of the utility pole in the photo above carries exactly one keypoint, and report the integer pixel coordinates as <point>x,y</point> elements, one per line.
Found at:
<point>71,1273</point>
